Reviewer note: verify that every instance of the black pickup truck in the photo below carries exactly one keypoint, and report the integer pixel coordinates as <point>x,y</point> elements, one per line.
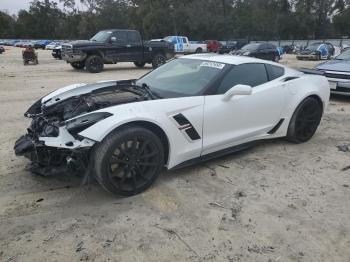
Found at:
<point>113,46</point>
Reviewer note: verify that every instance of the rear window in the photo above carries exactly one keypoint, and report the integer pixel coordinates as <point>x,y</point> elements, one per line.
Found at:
<point>274,71</point>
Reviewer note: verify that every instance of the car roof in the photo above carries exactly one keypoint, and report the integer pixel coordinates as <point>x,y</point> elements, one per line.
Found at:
<point>228,59</point>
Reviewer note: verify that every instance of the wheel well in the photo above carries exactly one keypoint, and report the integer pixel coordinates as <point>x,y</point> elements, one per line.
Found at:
<point>90,53</point>
<point>156,130</point>
<point>159,53</point>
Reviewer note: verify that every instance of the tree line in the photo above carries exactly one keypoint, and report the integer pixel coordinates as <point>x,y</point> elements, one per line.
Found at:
<point>198,19</point>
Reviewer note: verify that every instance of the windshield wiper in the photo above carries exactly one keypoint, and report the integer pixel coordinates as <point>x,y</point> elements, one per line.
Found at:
<point>151,94</point>
<point>143,88</point>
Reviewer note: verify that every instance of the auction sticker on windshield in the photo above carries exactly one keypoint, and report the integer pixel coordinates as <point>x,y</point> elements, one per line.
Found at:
<point>213,65</point>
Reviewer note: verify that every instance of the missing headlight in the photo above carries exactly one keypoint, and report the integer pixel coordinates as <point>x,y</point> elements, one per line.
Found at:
<point>76,125</point>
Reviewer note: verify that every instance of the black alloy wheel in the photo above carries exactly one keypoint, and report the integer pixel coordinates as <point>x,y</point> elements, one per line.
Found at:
<point>127,162</point>
<point>94,64</point>
<point>305,120</point>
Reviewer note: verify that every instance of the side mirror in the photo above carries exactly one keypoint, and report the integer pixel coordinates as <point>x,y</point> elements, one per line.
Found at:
<point>237,90</point>
<point>113,39</point>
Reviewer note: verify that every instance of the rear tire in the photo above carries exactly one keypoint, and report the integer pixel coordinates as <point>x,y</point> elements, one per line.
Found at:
<point>139,64</point>
<point>199,50</point>
<point>94,64</point>
<point>305,121</point>
<point>78,65</point>
<point>158,60</point>
<point>128,161</point>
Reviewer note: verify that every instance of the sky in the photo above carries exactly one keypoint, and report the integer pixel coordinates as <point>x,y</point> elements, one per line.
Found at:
<point>13,6</point>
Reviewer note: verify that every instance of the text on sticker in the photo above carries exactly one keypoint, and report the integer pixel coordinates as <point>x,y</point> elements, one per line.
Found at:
<point>213,64</point>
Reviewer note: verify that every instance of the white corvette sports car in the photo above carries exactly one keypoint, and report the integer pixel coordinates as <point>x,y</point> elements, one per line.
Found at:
<point>191,109</point>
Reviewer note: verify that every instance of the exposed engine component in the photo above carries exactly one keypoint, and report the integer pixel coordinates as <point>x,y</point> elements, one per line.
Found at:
<point>46,121</point>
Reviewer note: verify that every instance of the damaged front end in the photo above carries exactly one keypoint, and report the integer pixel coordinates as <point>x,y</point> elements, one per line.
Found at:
<point>53,143</point>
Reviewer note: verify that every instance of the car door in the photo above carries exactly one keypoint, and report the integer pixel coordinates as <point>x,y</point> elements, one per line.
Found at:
<point>261,51</point>
<point>186,45</point>
<point>117,48</point>
<point>134,46</point>
<point>242,118</point>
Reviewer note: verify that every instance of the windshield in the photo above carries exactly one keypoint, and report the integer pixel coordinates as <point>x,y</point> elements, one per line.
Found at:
<point>102,36</point>
<point>313,47</point>
<point>344,56</point>
<point>251,47</point>
<point>182,77</point>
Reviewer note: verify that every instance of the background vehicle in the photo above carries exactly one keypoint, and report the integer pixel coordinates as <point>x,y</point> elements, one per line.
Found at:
<point>227,47</point>
<point>232,45</point>
<point>213,45</point>
<point>57,52</point>
<point>126,132</point>
<point>29,55</point>
<point>264,51</point>
<point>113,46</point>
<point>41,44</point>
<point>2,49</point>
<point>337,72</point>
<point>331,49</point>
<point>315,51</point>
<point>183,45</point>
<point>52,45</point>
<point>289,49</point>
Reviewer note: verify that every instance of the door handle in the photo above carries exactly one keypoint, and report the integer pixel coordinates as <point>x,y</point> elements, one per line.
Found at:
<point>128,46</point>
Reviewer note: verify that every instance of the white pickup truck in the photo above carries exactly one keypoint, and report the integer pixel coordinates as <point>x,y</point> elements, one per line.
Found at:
<point>183,45</point>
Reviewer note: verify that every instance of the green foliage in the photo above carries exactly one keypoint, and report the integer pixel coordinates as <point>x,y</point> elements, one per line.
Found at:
<point>198,19</point>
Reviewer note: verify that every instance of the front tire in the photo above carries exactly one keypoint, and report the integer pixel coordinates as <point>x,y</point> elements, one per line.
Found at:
<point>78,65</point>
<point>305,121</point>
<point>158,60</point>
<point>94,64</point>
<point>128,161</point>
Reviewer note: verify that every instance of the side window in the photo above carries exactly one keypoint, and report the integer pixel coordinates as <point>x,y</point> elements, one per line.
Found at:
<point>184,40</point>
<point>121,37</point>
<point>270,46</point>
<point>133,38</point>
<point>263,46</point>
<point>274,71</point>
<point>245,74</point>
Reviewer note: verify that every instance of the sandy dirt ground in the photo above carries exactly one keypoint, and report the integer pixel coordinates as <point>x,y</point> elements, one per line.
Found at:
<point>275,202</point>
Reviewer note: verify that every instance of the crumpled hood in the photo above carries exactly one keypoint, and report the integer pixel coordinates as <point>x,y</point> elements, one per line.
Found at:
<point>77,99</point>
<point>335,65</point>
<point>66,92</point>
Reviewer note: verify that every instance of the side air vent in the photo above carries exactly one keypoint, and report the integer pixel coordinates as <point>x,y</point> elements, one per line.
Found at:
<point>181,120</point>
<point>274,130</point>
<point>187,127</point>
